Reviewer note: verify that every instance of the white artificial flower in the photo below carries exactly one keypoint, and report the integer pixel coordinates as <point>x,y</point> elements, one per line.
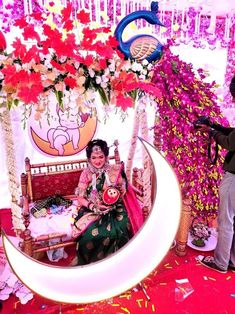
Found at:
<point>47,63</point>
<point>142,77</point>
<point>127,66</point>
<point>91,72</point>
<point>136,67</point>
<point>77,65</point>
<point>106,72</point>
<point>66,101</point>
<point>112,66</point>
<point>62,59</point>
<point>104,78</point>
<point>3,57</point>
<point>67,94</point>
<point>103,84</point>
<point>98,79</point>
<point>18,67</point>
<point>145,62</point>
<point>74,95</point>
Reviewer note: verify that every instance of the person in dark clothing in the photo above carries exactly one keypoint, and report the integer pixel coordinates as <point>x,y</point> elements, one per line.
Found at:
<point>224,253</point>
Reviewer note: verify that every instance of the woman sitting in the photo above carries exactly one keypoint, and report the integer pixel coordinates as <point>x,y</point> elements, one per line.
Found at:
<point>102,225</point>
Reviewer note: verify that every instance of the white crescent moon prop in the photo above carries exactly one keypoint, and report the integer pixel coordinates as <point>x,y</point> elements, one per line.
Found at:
<point>122,270</point>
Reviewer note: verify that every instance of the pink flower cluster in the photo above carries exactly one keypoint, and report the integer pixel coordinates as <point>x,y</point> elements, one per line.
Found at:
<point>185,97</point>
<point>200,231</point>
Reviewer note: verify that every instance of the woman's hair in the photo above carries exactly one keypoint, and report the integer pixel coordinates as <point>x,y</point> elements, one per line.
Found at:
<point>99,144</point>
<point>232,87</point>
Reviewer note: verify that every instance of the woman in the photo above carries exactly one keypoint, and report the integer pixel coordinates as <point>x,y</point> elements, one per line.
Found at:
<point>102,224</point>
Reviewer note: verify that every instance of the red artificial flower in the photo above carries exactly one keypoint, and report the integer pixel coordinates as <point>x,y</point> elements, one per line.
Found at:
<point>103,30</point>
<point>79,59</point>
<point>68,25</point>
<point>33,78</point>
<point>57,65</point>
<point>86,43</point>
<point>102,63</point>
<point>45,45</point>
<point>112,42</point>
<point>20,49</point>
<point>32,53</point>
<point>10,74</point>
<point>3,44</point>
<point>29,32</point>
<point>30,87</point>
<point>89,34</point>
<point>71,82</point>
<point>66,12</point>
<point>69,68</point>
<point>51,33</point>
<point>83,17</point>
<point>70,42</point>
<point>88,60</point>
<point>124,102</point>
<point>149,88</point>
<point>121,82</point>
<point>120,54</point>
<point>62,49</point>
<point>29,94</point>
<point>103,50</point>
<point>21,22</point>
<point>37,16</point>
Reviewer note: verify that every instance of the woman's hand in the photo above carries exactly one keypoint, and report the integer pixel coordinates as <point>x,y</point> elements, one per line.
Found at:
<point>101,209</point>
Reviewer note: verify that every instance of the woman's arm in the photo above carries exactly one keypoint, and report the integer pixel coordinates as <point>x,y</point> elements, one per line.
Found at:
<point>82,197</point>
<point>81,189</point>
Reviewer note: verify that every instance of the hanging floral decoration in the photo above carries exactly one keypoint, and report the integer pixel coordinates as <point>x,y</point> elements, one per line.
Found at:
<point>185,97</point>
<point>61,55</point>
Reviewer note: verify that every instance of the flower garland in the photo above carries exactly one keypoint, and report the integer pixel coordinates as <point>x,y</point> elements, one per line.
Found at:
<point>133,143</point>
<point>14,185</point>
<point>186,97</point>
<point>147,164</point>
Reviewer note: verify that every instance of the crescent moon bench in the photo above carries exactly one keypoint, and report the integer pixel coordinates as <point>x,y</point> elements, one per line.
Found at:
<point>53,232</point>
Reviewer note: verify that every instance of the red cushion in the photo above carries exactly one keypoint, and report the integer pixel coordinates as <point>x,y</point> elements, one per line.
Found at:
<point>60,183</point>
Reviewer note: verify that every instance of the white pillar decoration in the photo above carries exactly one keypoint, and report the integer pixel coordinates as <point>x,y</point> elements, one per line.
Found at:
<point>147,174</point>
<point>140,125</point>
<point>14,185</point>
<point>133,144</point>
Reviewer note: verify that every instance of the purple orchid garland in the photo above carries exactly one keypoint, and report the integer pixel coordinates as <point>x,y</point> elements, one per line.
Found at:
<point>185,97</point>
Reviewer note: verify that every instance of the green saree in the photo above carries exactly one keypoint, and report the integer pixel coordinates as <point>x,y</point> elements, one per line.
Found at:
<point>105,235</point>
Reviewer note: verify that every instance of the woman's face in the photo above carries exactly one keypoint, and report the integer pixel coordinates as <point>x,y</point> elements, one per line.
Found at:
<point>97,159</point>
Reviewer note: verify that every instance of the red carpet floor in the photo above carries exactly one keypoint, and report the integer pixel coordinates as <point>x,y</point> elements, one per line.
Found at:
<point>211,292</point>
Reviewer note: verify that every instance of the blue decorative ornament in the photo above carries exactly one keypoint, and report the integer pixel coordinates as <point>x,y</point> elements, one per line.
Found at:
<point>140,47</point>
